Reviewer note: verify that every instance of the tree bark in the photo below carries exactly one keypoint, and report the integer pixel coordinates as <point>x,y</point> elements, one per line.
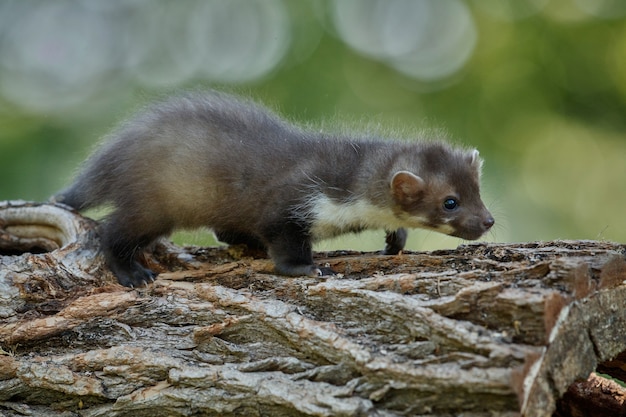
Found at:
<point>483,330</point>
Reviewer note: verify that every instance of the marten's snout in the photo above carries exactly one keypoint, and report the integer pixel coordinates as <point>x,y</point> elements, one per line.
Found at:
<point>487,221</point>
<point>473,227</point>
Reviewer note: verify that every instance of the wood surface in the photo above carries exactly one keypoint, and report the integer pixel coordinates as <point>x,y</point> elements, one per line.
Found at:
<point>482,330</point>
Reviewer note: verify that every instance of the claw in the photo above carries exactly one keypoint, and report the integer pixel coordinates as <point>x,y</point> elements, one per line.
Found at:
<point>133,275</point>
<point>326,271</point>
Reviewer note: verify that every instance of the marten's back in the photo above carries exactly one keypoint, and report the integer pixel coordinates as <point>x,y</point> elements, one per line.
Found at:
<point>202,159</point>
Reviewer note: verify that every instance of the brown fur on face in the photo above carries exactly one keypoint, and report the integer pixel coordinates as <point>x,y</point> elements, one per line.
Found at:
<point>446,174</point>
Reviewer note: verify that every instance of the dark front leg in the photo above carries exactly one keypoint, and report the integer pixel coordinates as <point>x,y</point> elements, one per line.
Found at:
<point>289,246</point>
<point>395,242</point>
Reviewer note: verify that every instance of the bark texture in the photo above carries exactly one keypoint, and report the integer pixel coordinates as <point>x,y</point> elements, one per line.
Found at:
<point>483,330</point>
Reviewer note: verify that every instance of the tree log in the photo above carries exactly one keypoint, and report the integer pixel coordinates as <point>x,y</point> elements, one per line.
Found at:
<point>482,330</point>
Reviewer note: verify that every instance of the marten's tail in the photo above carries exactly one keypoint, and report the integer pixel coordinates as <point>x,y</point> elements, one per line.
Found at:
<point>75,196</point>
<point>90,189</point>
<point>107,175</point>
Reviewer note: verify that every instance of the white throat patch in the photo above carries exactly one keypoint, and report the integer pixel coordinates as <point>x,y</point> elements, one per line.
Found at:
<point>331,218</point>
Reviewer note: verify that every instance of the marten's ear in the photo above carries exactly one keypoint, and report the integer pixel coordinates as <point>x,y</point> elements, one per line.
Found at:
<point>406,187</point>
<point>475,160</point>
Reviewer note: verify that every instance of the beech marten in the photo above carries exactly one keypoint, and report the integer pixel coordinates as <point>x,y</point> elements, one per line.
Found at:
<point>218,161</point>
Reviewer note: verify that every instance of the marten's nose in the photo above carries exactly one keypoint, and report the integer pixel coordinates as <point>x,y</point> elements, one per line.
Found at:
<point>488,222</point>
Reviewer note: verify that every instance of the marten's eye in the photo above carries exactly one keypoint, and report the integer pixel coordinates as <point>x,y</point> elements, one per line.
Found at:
<point>450,203</point>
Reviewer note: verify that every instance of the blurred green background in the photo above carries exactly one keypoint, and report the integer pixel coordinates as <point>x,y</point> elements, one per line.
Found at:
<point>538,86</point>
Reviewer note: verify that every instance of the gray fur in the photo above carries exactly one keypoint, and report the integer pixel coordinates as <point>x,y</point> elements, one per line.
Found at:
<point>218,161</point>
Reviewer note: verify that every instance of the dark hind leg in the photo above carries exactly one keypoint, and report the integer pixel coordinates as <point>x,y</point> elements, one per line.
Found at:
<point>123,240</point>
<point>238,238</point>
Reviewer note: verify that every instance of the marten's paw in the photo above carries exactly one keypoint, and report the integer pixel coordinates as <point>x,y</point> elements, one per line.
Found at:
<point>132,275</point>
<point>295,270</point>
<point>325,271</point>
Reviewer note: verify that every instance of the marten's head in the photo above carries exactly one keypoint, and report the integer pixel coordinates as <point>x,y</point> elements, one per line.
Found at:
<point>440,190</point>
